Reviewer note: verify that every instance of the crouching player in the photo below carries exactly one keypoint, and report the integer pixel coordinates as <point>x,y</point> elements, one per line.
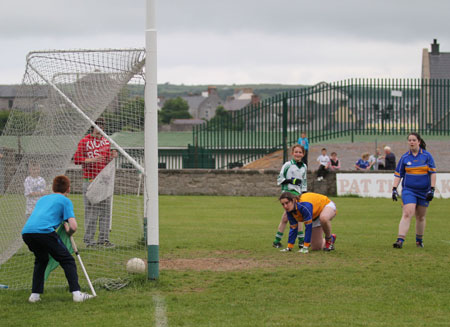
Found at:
<point>316,211</point>
<point>292,178</point>
<point>40,237</point>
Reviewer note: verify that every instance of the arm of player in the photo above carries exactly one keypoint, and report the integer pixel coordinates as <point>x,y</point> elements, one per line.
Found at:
<point>293,230</point>
<point>306,210</point>
<point>70,226</point>
<point>282,176</point>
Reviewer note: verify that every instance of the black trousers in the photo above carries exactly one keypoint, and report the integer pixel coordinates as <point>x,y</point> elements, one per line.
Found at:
<point>305,158</point>
<point>42,245</point>
<point>322,172</point>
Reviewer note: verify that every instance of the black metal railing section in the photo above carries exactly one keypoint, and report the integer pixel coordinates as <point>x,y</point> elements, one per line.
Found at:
<point>324,111</point>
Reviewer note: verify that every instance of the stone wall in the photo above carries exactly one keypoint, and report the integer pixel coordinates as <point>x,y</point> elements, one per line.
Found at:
<point>237,182</point>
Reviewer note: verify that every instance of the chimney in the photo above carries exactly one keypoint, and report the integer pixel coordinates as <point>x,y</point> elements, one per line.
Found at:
<point>255,99</point>
<point>435,47</point>
<point>212,90</point>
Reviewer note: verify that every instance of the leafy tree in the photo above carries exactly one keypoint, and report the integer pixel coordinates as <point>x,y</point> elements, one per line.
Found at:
<point>224,120</point>
<point>4,114</point>
<point>173,109</point>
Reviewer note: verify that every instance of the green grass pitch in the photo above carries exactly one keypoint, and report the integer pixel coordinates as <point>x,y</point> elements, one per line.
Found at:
<point>218,269</point>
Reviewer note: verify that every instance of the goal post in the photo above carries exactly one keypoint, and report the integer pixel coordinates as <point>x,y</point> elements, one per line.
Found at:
<point>151,144</point>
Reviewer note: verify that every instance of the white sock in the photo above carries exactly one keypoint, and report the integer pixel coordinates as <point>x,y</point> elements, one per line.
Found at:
<point>35,295</point>
<point>77,293</point>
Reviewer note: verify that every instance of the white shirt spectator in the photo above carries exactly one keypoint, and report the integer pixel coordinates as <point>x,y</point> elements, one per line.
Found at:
<point>324,160</point>
<point>32,185</point>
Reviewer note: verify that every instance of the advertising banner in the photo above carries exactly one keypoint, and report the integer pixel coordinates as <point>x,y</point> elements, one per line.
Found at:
<point>380,185</point>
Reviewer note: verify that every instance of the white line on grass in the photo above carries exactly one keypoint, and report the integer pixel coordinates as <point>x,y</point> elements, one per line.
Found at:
<point>160,311</point>
<point>445,241</point>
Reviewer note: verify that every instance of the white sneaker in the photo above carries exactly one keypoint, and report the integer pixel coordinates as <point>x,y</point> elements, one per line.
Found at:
<point>34,297</point>
<point>286,250</point>
<point>81,297</point>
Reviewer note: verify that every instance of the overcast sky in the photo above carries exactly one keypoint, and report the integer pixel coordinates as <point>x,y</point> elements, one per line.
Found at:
<point>236,41</point>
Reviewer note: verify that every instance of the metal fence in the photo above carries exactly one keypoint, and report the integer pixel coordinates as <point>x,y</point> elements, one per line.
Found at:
<point>324,111</point>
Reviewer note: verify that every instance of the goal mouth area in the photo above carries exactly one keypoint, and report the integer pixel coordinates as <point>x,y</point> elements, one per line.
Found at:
<point>62,94</point>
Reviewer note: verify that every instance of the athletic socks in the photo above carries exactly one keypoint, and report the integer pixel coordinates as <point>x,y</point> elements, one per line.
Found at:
<point>399,239</point>
<point>419,238</point>
<point>278,237</point>
<point>301,237</point>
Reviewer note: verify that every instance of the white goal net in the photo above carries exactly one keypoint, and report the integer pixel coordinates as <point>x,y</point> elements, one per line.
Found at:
<point>62,94</point>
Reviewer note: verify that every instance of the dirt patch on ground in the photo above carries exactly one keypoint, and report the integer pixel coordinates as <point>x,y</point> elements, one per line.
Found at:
<point>211,264</point>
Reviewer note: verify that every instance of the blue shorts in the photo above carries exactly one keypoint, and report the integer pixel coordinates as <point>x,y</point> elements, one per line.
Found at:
<point>416,197</point>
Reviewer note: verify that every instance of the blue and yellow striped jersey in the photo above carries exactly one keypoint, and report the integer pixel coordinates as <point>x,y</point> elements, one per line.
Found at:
<point>308,208</point>
<point>415,171</point>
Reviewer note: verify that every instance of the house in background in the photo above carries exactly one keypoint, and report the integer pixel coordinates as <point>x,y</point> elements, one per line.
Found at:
<point>204,105</point>
<point>241,98</point>
<point>435,64</point>
<point>436,69</point>
<point>7,96</point>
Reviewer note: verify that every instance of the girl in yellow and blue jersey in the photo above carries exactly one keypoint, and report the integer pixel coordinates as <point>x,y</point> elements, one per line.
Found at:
<point>417,172</point>
<point>316,211</point>
<point>292,178</point>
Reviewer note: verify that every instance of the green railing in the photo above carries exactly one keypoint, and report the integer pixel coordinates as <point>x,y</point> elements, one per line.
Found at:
<point>324,111</point>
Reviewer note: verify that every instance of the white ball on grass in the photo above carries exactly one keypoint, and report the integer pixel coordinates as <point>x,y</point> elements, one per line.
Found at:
<point>136,266</point>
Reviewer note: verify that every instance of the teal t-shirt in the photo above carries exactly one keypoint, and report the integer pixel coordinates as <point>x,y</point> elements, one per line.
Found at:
<point>50,211</point>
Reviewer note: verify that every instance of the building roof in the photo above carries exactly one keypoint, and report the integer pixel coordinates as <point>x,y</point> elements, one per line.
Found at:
<point>8,91</point>
<point>194,101</point>
<point>13,91</point>
<point>188,121</point>
<point>236,104</point>
<point>440,65</point>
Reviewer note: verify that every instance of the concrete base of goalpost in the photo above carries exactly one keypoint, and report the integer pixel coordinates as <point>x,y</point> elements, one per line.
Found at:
<point>153,261</point>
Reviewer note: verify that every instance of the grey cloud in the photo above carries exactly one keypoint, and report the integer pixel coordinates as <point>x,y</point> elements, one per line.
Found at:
<point>399,20</point>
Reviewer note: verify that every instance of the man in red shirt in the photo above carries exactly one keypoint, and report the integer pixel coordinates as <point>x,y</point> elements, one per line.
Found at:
<point>93,154</point>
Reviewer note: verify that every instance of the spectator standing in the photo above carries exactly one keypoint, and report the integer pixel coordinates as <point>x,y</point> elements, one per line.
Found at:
<point>389,159</point>
<point>376,160</point>
<point>304,142</point>
<point>335,164</point>
<point>324,165</point>
<point>93,154</point>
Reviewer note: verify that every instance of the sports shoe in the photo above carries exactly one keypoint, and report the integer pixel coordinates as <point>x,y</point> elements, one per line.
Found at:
<point>277,245</point>
<point>91,245</point>
<point>300,245</point>
<point>398,245</point>
<point>81,297</point>
<point>286,250</point>
<point>34,298</point>
<point>419,244</point>
<point>107,244</point>
<point>304,250</point>
<point>329,245</point>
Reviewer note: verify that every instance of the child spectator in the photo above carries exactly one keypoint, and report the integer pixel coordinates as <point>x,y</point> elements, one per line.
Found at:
<point>304,142</point>
<point>324,161</point>
<point>34,187</point>
<point>335,164</point>
<point>363,163</point>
